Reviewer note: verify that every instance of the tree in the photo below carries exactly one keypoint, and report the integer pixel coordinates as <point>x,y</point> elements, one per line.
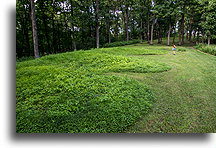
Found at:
<point>69,25</point>
<point>34,29</point>
<point>209,19</point>
<point>97,24</point>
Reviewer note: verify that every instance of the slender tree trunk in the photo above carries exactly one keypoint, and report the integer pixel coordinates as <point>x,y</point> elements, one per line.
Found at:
<point>45,27</point>
<point>190,35</point>
<point>169,32</point>
<point>152,31</point>
<point>74,43</point>
<point>34,29</point>
<point>203,37</point>
<point>54,37</point>
<point>174,34</point>
<point>116,23</point>
<point>173,42</point>
<point>26,33</point>
<point>116,29</point>
<point>181,30</point>
<point>126,23</point>
<point>194,35</point>
<point>159,34</point>
<point>141,30</point>
<point>109,34</point>
<point>58,40</point>
<point>209,39</point>
<point>198,36</point>
<point>181,35</point>
<point>148,32</point>
<point>97,24</point>
<point>72,27</point>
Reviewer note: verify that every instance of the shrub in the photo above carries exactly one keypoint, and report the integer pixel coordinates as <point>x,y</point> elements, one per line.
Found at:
<point>205,48</point>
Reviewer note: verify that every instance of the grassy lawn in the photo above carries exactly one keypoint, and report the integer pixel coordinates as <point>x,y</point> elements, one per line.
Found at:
<point>134,88</point>
<point>186,95</point>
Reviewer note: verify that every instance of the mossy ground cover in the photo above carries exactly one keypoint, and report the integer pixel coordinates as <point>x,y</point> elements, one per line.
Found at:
<point>72,93</point>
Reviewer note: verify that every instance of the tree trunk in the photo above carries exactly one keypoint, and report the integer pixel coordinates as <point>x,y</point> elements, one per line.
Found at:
<point>141,30</point>
<point>209,40</point>
<point>26,32</point>
<point>194,35</point>
<point>53,45</point>
<point>190,35</point>
<point>181,32</point>
<point>173,42</point>
<point>169,32</point>
<point>174,35</point>
<point>97,23</point>
<point>45,27</point>
<point>109,35</point>
<point>159,34</point>
<point>148,32</point>
<point>198,37</point>
<point>72,27</point>
<point>34,30</point>
<point>152,31</point>
<point>116,23</point>
<point>202,36</point>
<point>126,23</point>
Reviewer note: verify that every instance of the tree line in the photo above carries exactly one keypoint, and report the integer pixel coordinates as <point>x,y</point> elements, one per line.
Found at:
<point>53,26</point>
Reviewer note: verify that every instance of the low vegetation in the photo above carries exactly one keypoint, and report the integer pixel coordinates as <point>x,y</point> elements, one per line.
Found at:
<point>133,89</point>
<point>207,49</point>
<point>73,92</point>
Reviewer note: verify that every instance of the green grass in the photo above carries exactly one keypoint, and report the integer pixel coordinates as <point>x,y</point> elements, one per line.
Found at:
<point>134,88</point>
<point>185,101</point>
<point>72,93</point>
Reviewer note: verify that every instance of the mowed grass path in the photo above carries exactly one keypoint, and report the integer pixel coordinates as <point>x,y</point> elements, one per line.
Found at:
<point>185,95</point>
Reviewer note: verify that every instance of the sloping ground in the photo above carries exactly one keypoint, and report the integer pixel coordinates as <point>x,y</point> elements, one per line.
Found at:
<point>185,95</point>
<point>136,88</point>
<point>71,93</point>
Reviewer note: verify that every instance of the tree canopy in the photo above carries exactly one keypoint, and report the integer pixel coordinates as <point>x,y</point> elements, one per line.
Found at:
<point>69,25</point>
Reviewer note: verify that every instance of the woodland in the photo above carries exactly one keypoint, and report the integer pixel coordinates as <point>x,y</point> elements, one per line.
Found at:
<point>71,25</point>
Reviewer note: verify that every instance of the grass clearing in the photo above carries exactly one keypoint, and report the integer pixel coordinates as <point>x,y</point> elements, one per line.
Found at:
<point>135,88</point>
<point>185,101</point>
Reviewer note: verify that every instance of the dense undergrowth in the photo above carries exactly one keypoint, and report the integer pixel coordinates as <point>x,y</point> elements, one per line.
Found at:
<point>208,49</point>
<point>70,93</point>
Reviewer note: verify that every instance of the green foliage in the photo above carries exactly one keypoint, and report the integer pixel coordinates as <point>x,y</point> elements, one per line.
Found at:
<point>70,93</point>
<point>208,49</point>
